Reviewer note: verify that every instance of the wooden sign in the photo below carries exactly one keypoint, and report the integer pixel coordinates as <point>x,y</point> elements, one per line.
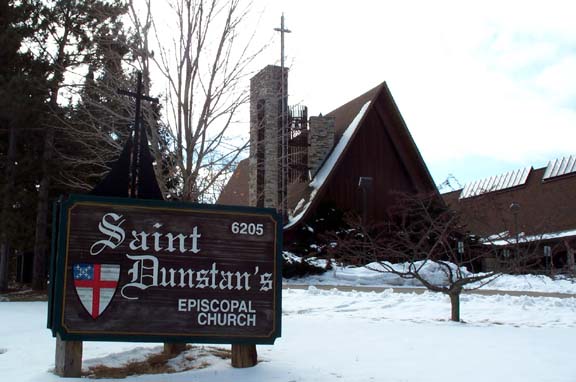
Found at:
<point>142,270</point>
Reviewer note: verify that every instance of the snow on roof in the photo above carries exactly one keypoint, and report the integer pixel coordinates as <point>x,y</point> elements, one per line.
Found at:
<point>522,238</point>
<point>328,165</point>
<point>559,167</point>
<point>496,183</point>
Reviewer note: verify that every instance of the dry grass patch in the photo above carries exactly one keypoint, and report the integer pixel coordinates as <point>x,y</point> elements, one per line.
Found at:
<point>23,295</point>
<point>219,352</point>
<point>159,363</point>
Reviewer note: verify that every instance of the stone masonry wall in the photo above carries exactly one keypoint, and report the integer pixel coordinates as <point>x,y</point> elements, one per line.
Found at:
<point>265,93</point>
<point>320,141</point>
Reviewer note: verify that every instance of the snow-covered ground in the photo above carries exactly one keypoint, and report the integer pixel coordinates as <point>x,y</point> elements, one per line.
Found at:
<point>330,335</point>
<point>367,276</point>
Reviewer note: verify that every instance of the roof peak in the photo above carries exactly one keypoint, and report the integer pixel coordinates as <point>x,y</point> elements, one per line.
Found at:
<point>366,96</point>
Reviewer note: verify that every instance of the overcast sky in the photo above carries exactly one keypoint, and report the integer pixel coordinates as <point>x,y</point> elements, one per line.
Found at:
<point>484,86</point>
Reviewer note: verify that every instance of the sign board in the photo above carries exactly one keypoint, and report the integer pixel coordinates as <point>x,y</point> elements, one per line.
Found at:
<point>155,271</point>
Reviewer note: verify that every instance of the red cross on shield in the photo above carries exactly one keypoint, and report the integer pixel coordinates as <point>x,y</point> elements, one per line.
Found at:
<point>95,285</point>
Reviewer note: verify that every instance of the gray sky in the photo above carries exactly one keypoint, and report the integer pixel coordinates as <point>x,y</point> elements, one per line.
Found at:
<point>484,86</point>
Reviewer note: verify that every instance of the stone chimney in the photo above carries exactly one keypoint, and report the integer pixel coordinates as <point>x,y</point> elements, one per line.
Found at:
<point>265,149</point>
<point>320,141</point>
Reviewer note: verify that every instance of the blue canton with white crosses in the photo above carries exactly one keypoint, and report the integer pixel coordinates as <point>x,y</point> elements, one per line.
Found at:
<point>83,272</point>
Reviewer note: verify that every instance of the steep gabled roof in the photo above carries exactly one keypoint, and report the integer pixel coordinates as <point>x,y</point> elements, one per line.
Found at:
<point>360,123</point>
<point>345,114</point>
<point>371,140</point>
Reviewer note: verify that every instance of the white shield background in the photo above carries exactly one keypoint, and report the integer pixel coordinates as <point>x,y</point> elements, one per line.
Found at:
<point>96,299</point>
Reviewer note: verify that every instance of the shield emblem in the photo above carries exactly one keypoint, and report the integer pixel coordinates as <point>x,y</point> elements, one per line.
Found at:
<point>95,285</point>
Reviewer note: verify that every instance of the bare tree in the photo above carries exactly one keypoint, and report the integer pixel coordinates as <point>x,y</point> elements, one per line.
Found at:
<point>204,67</point>
<point>423,234</point>
<point>92,133</point>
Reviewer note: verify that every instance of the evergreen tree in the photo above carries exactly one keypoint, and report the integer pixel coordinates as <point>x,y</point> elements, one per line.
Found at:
<point>65,40</point>
<point>61,120</point>
<point>22,102</point>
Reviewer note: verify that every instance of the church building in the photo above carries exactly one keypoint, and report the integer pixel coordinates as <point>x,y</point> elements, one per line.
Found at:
<point>353,159</point>
<point>359,157</point>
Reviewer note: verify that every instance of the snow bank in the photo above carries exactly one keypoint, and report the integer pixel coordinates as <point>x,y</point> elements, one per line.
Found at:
<point>119,359</point>
<point>476,310</point>
<point>374,275</point>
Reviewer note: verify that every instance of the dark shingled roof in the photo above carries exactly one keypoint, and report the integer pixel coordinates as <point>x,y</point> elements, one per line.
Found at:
<point>545,207</point>
<point>235,193</point>
<point>345,114</point>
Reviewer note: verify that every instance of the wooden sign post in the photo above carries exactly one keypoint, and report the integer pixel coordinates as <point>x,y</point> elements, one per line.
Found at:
<point>154,271</point>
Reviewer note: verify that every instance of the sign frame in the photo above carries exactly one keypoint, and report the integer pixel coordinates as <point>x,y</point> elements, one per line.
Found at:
<point>59,267</point>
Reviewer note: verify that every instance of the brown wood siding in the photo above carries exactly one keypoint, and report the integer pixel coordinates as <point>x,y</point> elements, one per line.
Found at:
<point>371,153</point>
<point>406,149</point>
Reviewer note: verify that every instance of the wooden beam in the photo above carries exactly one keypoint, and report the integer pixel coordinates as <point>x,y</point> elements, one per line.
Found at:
<point>244,355</point>
<point>172,348</point>
<point>68,358</point>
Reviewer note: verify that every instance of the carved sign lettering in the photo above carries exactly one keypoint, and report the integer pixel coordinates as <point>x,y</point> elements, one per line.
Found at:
<point>135,270</point>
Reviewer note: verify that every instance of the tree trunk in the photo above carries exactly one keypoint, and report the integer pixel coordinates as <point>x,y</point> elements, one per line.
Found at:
<point>4,253</point>
<point>40,242</point>
<point>40,239</point>
<point>455,304</point>
<point>6,205</point>
<point>570,258</point>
